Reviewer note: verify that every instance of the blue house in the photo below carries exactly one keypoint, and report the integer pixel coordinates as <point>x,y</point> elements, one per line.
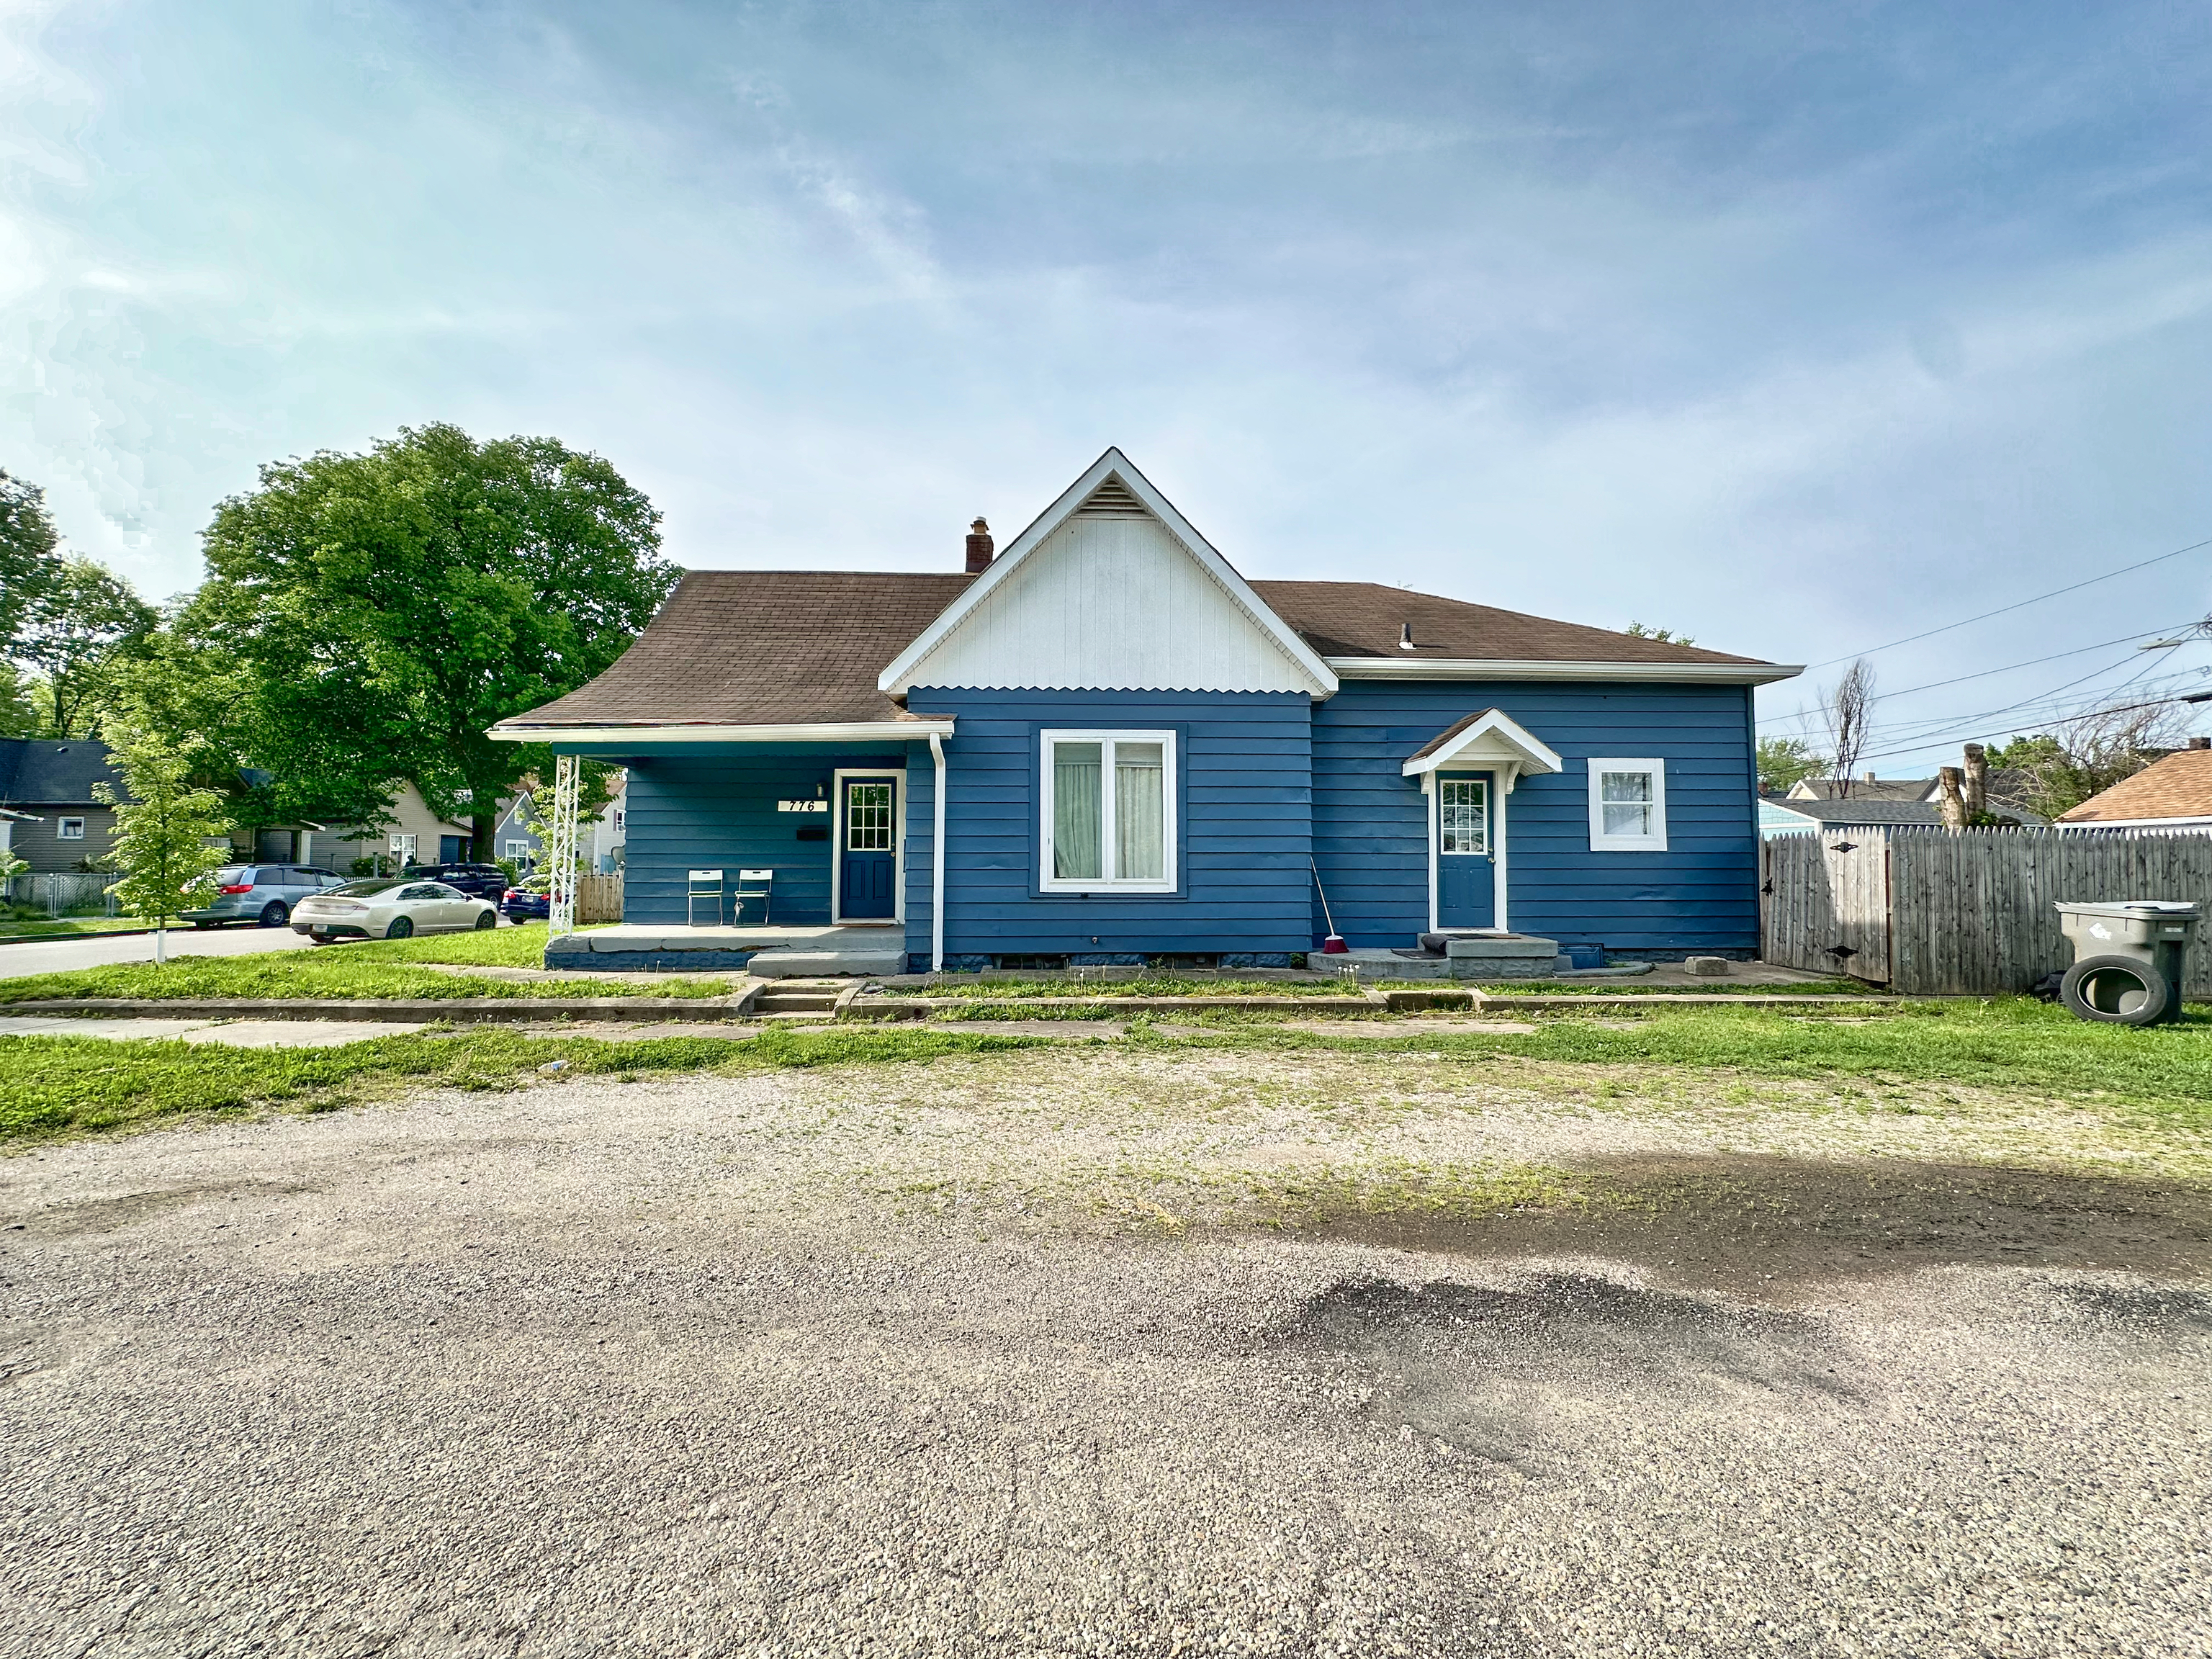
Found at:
<point>1103,745</point>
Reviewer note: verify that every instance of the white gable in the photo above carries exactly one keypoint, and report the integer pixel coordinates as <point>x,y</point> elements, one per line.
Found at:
<point>1105,593</point>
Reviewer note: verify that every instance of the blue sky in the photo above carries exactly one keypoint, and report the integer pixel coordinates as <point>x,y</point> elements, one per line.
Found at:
<point>1799,328</point>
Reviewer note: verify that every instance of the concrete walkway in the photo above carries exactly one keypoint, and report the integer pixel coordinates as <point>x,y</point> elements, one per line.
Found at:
<point>335,1033</point>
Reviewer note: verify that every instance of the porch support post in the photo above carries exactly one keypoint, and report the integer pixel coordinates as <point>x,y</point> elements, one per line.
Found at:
<point>937,858</point>
<point>1429,808</point>
<point>1506,778</point>
<point>561,850</point>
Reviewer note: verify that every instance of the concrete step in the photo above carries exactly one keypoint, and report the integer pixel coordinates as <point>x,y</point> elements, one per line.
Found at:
<point>795,1016</point>
<point>796,1002</point>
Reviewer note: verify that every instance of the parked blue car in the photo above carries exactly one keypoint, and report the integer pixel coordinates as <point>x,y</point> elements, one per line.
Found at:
<point>530,901</point>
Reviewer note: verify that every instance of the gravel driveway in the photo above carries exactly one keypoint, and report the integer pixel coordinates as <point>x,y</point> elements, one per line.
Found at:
<point>584,1370</point>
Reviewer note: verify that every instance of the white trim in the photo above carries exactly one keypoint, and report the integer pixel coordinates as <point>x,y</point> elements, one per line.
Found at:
<point>1498,915</point>
<point>897,678</point>
<point>63,832</point>
<point>682,731</point>
<point>1509,668</point>
<point>872,773</point>
<point>1436,835</point>
<point>937,859</point>
<point>1495,741</point>
<point>1601,842</point>
<point>1108,796</point>
<point>2198,821</point>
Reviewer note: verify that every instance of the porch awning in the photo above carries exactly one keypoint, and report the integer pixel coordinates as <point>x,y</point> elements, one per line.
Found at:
<point>1492,741</point>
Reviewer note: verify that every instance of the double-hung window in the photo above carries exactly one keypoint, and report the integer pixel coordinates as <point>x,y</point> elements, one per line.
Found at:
<point>1627,806</point>
<point>1109,818</point>
<point>69,830</point>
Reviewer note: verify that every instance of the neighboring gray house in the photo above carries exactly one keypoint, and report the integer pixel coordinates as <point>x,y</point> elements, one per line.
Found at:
<point>1782,815</point>
<point>49,781</point>
<point>600,839</point>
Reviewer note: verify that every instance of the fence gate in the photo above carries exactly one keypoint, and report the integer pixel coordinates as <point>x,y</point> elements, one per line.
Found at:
<point>1824,903</point>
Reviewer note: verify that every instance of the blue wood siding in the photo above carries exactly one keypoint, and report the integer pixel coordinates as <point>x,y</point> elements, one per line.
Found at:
<point>1370,836</point>
<point>716,810</point>
<point>1245,824</point>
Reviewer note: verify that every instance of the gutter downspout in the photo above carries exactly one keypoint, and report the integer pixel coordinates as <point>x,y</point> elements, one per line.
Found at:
<point>936,859</point>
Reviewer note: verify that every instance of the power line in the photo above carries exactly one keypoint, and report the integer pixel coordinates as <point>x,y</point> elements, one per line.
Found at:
<point>2011,730</point>
<point>2021,606</point>
<point>1983,674</point>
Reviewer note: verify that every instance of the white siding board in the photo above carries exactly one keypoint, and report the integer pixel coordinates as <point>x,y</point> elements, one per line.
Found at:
<point>1111,604</point>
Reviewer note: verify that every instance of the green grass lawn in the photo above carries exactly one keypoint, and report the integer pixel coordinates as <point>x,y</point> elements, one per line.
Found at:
<point>335,973</point>
<point>31,926</point>
<point>58,1085</point>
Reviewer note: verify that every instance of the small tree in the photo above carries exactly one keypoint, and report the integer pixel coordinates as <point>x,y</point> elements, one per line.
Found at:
<point>1850,720</point>
<point>1784,761</point>
<point>163,829</point>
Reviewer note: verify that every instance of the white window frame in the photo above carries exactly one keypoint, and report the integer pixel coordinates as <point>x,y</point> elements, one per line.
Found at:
<point>1599,840</point>
<point>1483,806</point>
<point>835,803</point>
<point>1169,827</point>
<point>69,829</point>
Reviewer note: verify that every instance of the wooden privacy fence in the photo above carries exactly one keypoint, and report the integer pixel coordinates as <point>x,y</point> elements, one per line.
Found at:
<point>599,898</point>
<point>1928,910</point>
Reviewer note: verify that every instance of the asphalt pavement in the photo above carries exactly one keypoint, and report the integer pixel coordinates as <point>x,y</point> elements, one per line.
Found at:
<point>61,956</point>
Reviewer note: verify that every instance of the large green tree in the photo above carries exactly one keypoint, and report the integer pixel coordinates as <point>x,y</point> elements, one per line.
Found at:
<point>29,561</point>
<point>389,607</point>
<point>74,636</point>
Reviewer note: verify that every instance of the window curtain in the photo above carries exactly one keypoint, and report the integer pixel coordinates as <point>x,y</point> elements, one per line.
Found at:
<point>1077,827</point>
<point>1139,811</point>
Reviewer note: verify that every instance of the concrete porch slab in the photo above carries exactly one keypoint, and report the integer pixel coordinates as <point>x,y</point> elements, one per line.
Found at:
<point>765,952</point>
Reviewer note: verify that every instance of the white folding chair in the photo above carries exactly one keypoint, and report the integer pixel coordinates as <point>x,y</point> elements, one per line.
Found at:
<point>706,884</point>
<point>751,885</point>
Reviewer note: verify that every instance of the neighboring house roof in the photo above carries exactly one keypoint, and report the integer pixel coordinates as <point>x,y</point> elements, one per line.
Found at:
<point>1863,789</point>
<point>1853,809</point>
<point>45,772</point>
<point>2179,787</point>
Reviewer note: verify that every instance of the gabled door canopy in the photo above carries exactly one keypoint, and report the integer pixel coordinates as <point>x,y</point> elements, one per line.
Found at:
<point>1492,741</point>
<point>898,678</point>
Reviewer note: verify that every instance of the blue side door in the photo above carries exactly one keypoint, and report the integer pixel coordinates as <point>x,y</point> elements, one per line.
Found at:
<point>868,854</point>
<point>1466,888</point>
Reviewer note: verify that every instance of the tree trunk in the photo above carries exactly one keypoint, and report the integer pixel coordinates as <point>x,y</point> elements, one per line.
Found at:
<point>482,828</point>
<point>1955,799</point>
<point>1978,782</point>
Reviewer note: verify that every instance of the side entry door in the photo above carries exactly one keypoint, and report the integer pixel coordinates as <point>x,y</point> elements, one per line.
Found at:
<point>1466,886</point>
<point>867,849</point>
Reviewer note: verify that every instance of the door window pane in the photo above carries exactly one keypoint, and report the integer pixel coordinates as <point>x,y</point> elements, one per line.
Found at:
<point>1626,799</point>
<point>1463,807</point>
<point>867,817</point>
<point>1139,811</point>
<point>1077,811</point>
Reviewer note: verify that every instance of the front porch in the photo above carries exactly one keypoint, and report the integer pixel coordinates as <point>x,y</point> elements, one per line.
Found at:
<point>765,952</point>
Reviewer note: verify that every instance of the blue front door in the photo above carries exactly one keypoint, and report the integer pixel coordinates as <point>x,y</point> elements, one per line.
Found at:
<point>1466,888</point>
<point>867,856</point>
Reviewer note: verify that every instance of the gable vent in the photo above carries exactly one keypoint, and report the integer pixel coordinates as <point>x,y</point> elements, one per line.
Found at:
<point>1112,499</point>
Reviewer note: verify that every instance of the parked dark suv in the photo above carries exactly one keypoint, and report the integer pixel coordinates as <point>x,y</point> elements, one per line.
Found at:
<point>478,880</point>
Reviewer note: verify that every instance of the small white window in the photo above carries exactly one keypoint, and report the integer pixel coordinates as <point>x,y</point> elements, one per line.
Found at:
<point>69,830</point>
<point>1108,822</point>
<point>1463,815</point>
<point>403,845</point>
<point>518,849</point>
<point>1628,806</point>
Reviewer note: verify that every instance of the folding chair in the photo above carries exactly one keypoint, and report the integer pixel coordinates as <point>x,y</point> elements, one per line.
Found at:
<point>751,885</point>
<point>706,884</point>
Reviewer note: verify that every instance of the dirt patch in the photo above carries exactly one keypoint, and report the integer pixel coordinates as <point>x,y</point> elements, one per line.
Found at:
<point>107,1215</point>
<point>1752,1224</point>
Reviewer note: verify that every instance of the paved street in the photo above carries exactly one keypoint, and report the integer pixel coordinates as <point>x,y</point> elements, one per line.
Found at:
<point>62,956</point>
<point>703,1367</point>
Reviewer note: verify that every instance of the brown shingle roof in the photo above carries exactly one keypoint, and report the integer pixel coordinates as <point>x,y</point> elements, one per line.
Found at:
<point>763,647</point>
<point>1365,619</point>
<point>778,648</point>
<point>2179,787</point>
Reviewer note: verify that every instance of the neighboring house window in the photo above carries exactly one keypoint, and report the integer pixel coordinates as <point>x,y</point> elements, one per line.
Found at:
<point>1628,806</point>
<point>69,830</point>
<point>403,845</point>
<point>618,812</point>
<point>518,849</point>
<point>1463,807</point>
<point>1109,817</point>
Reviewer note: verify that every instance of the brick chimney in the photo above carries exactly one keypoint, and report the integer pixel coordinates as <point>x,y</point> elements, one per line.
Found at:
<point>2200,743</point>
<point>980,547</point>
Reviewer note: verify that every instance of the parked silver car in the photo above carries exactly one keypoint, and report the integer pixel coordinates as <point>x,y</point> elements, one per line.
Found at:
<point>382,907</point>
<point>261,893</point>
